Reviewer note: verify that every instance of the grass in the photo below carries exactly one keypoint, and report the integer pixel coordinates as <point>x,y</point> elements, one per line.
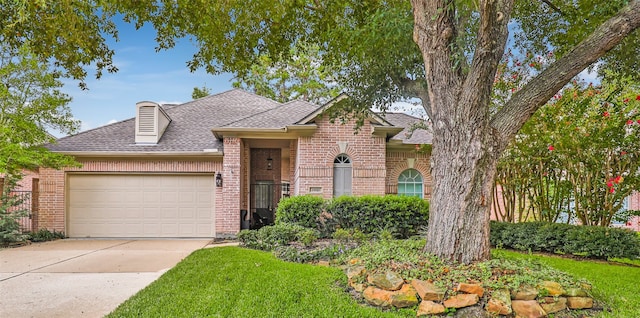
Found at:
<point>236,282</point>
<point>615,284</point>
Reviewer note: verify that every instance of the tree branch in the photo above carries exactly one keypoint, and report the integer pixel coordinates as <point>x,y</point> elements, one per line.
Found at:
<point>416,88</point>
<point>540,89</point>
<point>491,41</point>
<point>553,6</point>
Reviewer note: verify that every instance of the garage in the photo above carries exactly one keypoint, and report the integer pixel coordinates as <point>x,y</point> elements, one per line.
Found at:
<point>140,205</point>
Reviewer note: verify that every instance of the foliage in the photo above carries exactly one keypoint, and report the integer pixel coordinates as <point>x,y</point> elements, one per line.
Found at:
<point>576,157</point>
<point>44,235</point>
<point>303,210</point>
<point>237,282</point>
<point>586,241</point>
<point>200,92</point>
<point>30,103</point>
<point>10,213</point>
<point>302,77</point>
<point>269,237</point>
<point>402,215</point>
<point>293,254</point>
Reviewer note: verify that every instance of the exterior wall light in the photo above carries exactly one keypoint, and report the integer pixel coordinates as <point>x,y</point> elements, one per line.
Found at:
<point>218,180</point>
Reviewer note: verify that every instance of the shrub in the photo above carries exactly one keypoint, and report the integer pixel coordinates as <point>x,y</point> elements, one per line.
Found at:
<point>292,254</point>
<point>44,235</point>
<point>588,241</point>
<point>307,236</point>
<point>402,215</point>
<point>303,210</point>
<point>269,237</point>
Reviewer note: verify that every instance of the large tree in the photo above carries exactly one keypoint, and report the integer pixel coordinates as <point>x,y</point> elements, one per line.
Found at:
<point>451,70</point>
<point>443,52</point>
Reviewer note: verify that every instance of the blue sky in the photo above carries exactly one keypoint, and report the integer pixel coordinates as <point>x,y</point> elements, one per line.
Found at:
<point>144,74</point>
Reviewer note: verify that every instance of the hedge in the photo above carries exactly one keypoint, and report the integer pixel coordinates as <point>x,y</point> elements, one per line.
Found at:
<point>588,241</point>
<point>404,216</point>
<point>303,210</point>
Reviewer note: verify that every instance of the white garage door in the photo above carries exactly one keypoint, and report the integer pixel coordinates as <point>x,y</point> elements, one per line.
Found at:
<point>145,205</point>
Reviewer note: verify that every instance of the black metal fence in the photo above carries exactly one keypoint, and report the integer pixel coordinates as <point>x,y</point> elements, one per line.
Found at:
<point>264,201</point>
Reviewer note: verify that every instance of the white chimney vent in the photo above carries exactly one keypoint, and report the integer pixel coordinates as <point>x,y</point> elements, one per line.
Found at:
<point>151,122</point>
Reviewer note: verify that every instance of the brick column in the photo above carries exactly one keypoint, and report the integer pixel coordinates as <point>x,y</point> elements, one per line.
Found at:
<point>228,216</point>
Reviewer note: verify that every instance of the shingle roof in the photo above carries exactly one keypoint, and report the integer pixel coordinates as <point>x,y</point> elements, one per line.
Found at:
<point>281,116</point>
<point>417,136</point>
<point>190,128</point>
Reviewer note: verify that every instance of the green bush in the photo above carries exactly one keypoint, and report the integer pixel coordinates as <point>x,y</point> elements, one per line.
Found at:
<point>44,235</point>
<point>303,210</point>
<point>588,241</point>
<point>401,215</point>
<point>269,237</point>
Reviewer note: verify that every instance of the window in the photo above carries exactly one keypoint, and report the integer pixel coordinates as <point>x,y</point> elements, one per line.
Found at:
<point>341,175</point>
<point>410,183</point>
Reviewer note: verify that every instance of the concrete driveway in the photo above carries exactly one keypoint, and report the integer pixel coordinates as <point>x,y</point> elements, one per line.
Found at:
<point>83,278</point>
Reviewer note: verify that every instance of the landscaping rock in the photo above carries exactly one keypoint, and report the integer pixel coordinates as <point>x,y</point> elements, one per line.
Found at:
<point>354,261</point>
<point>357,287</point>
<point>552,288</point>
<point>524,293</point>
<point>428,291</point>
<point>323,263</point>
<point>461,300</point>
<point>500,302</point>
<point>428,308</point>
<point>377,297</point>
<point>388,280</point>
<point>575,292</point>
<point>552,305</point>
<point>356,271</point>
<point>405,297</point>
<point>527,309</point>
<point>471,289</point>
<point>579,302</point>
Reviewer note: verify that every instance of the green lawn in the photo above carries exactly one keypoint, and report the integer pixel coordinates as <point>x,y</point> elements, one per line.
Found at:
<point>618,286</point>
<point>237,282</point>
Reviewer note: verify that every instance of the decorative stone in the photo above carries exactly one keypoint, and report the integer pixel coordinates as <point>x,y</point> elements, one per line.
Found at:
<point>524,293</point>
<point>357,287</point>
<point>427,290</point>
<point>575,292</point>
<point>354,261</point>
<point>461,300</point>
<point>500,302</point>
<point>579,302</point>
<point>471,289</point>
<point>527,309</point>
<point>377,297</point>
<point>551,304</point>
<point>388,280</point>
<point>353,272</point>
<point>323,263</point>
<point>405,297</point>
<point>552,288</point>
<point>428,308</point>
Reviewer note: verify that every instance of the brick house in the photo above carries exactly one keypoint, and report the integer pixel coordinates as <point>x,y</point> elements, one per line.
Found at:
<point>198,168</point>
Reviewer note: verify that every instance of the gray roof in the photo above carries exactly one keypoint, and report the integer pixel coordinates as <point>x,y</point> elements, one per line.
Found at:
<point>190,128</point>
<point>414,132</point>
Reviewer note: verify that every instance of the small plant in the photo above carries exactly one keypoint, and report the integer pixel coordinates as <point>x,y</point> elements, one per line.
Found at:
<point>307,237</point>
<point>44,235</point>
<point>269,237</point>
<point>342,235</point>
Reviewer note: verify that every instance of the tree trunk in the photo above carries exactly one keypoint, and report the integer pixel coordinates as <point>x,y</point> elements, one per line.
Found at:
<point>463,172</point>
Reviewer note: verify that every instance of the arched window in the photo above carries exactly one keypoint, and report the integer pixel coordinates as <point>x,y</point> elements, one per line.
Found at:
<point>410,183</point>
<point>341,175</point>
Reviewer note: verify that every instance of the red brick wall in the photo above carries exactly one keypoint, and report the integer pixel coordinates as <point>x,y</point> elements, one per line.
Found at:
<point>634,204</point>
<point>228,215</point>
<point>315,155</point>
<point>51,214</point>
<point>399,161</point>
